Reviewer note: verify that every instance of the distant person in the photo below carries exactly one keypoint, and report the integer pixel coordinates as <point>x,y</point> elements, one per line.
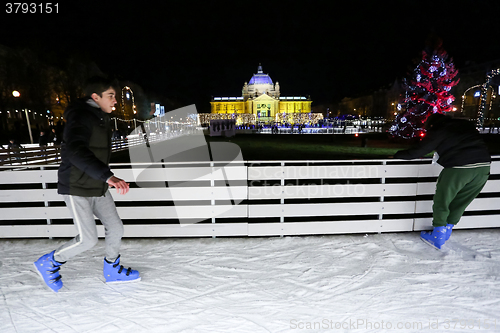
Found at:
<point>43,141</point>
<point>60,128</point>
<point>15,148</point>
<point>55,137</point>
<point>116,135</point>
<point>13,144</point>
<point>83,179</point>
<point>466,162</point>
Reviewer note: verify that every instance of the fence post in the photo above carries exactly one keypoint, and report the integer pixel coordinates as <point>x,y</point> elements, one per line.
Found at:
<point>45,202</point>
<point>25,156</point>
<point>417,190</point>
<point>381,215</point>
<point>282,199</point>
<point>9,155</point>
<point>212,200</point>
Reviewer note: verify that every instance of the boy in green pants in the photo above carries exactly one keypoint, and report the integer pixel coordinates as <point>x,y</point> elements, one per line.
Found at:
<point>466,163</point>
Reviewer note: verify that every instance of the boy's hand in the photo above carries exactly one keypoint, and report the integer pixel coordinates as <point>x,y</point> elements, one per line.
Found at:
<point>121,186</point>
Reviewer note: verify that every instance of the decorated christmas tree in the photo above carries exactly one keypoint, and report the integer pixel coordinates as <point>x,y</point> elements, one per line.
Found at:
<point>427,91</point>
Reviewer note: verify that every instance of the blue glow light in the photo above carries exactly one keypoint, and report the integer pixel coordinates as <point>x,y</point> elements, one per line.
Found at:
<point>260,79</point>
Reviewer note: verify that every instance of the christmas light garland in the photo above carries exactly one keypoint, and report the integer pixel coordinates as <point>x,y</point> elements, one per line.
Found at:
<point>241,118</point>
<point>463,96</point>
<point>484,94</point>
<point>299,118</point>
<point>155,121</point>
<point>127,90</point>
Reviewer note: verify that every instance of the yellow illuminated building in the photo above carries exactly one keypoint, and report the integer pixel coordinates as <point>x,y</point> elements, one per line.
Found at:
<point>262,103</point>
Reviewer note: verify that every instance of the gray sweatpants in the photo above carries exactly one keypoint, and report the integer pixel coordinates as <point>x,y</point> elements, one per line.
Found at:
<point>83,210</point>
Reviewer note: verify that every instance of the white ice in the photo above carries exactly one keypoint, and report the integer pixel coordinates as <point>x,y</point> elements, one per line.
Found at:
<point>338,283</point>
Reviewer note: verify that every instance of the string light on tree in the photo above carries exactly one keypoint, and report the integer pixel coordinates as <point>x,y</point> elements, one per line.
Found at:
<point>427,91</point>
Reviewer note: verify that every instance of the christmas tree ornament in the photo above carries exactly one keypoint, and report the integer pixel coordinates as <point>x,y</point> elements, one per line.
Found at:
<point>427,91</point>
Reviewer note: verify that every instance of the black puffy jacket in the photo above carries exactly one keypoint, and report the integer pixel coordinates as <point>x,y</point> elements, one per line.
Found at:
<point>456,141</point>
<point>85,151</point>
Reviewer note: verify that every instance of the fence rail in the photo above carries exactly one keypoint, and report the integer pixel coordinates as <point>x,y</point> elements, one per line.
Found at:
<point>34,154</point>
<point>251,198</point>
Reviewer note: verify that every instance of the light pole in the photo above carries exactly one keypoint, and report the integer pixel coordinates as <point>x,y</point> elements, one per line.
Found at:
<point>29,125</point>
<point>17,94</point>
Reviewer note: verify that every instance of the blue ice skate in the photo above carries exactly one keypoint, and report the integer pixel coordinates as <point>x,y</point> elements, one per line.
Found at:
<point>48,269</point>
<point>436,238</point>
<point>449,228</point>
<point>114,272</point>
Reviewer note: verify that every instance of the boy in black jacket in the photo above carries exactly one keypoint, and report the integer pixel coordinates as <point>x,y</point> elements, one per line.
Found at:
<point>84,177</point>
<point>466,163</point>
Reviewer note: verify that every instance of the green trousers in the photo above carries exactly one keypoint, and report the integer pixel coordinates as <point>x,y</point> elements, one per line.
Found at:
<point>455,190</point>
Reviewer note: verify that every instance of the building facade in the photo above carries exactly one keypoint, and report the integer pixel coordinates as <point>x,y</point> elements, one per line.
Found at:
<point>261,102</point>
<point>378,104</point>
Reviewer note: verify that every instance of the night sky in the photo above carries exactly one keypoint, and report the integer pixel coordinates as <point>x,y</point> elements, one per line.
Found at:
<point>192,50</point>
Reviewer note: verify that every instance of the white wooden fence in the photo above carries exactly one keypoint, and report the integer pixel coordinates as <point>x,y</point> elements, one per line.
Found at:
<point>254,198</point>
<point>34,154</point>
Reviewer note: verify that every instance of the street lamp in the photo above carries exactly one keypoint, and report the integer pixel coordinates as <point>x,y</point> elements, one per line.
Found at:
<point>17,94</point>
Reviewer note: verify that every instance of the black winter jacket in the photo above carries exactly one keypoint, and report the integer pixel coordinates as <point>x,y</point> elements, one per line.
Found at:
<point>85,151</point>
<point>456,141</point>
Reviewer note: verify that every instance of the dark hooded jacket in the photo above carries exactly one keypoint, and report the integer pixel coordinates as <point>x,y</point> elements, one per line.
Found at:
<point>456,141</point>
<point>85,151</point>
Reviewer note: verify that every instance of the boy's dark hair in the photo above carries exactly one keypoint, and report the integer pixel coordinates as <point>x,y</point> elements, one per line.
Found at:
<point>98,85</point>
<point>435,119</point>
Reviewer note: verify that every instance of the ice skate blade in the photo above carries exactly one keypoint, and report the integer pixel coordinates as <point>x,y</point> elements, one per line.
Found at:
<point>125,281</point>
<point>44,284</point>
<point>430,244</point>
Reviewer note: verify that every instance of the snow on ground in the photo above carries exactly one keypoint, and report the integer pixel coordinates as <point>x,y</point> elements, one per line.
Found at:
<point>339,283</point>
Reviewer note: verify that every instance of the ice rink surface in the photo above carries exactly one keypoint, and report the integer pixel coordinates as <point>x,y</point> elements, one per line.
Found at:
<point>339,283</point>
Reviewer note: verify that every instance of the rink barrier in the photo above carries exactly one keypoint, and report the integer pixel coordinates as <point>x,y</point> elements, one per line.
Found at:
<point>254,198</point>
<point>33,154</point>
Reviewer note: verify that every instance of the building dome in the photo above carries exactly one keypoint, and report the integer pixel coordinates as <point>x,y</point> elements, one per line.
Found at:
<point>260,78</point>
<point>260,83</point>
